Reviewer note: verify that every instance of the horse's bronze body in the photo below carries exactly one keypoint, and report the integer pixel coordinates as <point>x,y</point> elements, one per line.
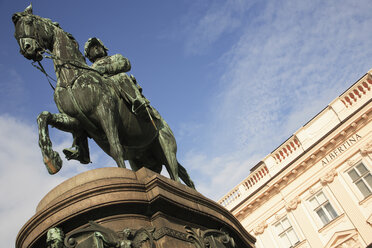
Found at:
<point>91,104</point>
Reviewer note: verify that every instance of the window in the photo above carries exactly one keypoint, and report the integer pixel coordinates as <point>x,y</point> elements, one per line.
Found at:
<point>362,178</point>
<point>287,235</point>
<point>323,208</point>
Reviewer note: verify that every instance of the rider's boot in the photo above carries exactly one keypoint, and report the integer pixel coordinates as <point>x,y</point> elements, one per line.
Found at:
<point>72,153</point>
<point>76,153</point>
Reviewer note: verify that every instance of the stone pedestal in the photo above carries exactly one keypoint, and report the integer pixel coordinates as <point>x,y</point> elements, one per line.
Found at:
<point>116,207</point>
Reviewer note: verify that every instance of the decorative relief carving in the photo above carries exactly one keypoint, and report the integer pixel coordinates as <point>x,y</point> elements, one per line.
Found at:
<point>311,191</point>
<point>98,236</point>
<point>55,237</point>
<point>210,238</point>
<point>279,216</point>
<point>351,162</point>
<point>260,228</point>
<point>292,205</point>
<point>367,149</point>
<point>161,232</point>
<point>329,177</point>
<point>351,242</point>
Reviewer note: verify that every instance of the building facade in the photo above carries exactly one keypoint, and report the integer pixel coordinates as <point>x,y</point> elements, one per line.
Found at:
<point>314,190</point>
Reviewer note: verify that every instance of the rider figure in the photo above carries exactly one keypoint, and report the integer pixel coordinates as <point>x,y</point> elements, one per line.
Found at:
<point>113,67</point>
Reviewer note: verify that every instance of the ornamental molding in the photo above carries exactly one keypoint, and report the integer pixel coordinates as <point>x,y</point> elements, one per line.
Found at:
<point>329,177</point>
<point>210,238</point>
<point>292,205</point>
<point>165,231</point>
<point>96,235</point>
<point>311,191</point>
<point>351,162</point>
<point>367,149</point>
<point>369,220</point>
<point>280,216</point>
<point>260,228</point>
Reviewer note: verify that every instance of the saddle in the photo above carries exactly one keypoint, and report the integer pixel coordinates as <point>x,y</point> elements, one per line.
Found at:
<point>127,88</point>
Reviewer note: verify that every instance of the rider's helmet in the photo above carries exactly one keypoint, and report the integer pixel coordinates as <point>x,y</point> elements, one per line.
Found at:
<point>90,43</point>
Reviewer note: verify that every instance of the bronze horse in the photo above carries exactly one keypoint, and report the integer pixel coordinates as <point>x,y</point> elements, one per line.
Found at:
<point>90,103</point>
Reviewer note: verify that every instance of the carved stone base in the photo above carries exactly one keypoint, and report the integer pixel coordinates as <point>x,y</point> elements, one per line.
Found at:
<point>116,207</point>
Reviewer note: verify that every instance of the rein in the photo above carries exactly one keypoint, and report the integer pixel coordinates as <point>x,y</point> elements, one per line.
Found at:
<point>41,68</point>
<point>80,113</point>
<point>65,62</point>
<point>70,62</point>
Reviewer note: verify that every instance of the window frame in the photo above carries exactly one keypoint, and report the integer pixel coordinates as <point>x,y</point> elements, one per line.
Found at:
<point>321,205</point>
<point>285,231</point>
<point>360,178</point>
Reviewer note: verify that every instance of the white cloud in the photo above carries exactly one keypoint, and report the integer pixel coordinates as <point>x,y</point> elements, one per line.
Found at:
<point>214,176</point>
<point>24,180</point>
<point>291,60</point>
<point>23,177</point>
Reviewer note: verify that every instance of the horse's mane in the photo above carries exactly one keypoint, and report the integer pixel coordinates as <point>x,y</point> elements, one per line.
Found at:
<point>50,22</point>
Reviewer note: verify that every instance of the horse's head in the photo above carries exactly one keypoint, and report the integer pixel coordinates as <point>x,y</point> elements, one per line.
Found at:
<point>33,33</point>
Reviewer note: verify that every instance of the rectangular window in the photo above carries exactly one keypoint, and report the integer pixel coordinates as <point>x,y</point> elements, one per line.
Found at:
<point>362,178</point>
<point>286,234</point>
<point>323,208</point>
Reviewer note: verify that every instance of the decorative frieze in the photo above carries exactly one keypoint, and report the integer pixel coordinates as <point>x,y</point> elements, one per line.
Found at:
<point>166,231</point>
<point>211,238</point>
<point>98,236</point>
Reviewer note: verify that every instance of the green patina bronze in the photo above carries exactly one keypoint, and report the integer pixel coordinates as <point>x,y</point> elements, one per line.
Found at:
<point>55,238</point>
<point>101,102</point>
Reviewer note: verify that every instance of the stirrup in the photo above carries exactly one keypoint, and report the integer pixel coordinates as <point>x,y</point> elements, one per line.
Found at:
<point>75,154</point>
<point>72,153</point>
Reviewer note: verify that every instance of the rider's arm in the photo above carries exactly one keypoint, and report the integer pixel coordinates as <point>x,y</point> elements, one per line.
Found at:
<point>112,65</point>
<point>119,64</point>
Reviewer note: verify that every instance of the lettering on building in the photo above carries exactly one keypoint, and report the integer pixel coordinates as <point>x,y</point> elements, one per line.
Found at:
<point>341,149</point>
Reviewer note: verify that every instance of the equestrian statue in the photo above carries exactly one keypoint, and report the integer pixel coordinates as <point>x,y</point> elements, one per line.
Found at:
<point>100,102</point>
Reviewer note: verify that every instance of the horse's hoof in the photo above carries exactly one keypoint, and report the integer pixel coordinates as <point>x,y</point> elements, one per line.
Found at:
<point>53,165</point>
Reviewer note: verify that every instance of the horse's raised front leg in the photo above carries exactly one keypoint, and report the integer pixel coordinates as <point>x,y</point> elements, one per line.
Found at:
<point>51,158</point>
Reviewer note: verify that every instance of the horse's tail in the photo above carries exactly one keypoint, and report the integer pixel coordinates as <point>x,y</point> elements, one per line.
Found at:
<point>185,176</point>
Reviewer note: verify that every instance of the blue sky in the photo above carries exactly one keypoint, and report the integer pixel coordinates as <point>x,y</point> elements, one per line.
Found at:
<point>233,79</point>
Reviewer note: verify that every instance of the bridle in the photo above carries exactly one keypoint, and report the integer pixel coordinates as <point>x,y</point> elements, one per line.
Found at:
<point>31,32</point>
